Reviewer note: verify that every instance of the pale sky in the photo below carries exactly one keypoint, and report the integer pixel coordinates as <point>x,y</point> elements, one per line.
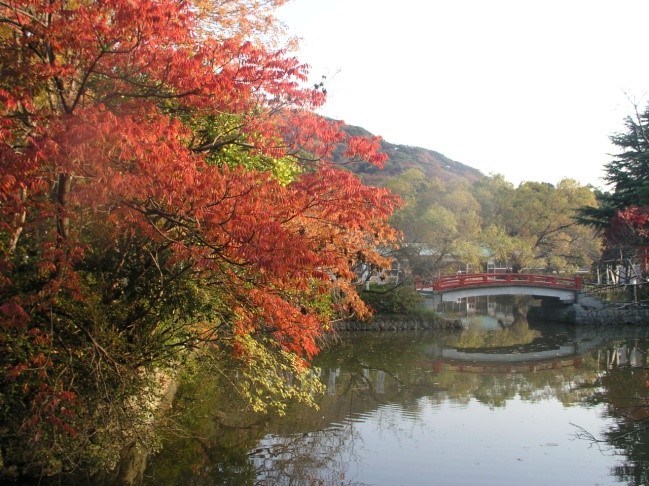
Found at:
<point>528,89</point>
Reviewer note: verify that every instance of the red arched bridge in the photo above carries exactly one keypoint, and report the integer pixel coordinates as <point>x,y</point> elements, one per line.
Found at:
<point>453,287</point>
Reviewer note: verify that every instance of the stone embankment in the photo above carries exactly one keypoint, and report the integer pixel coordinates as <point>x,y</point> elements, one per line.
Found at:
<point>396,323</point>
<point>592,311</point>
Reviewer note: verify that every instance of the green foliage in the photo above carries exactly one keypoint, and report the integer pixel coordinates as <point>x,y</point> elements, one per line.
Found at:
<point>441,219</point>
<point>265,378</point>
<point>451,225</point>
<point>534,226</point>
<point>628,172</point>
<point>458,218</point>
<point>227,145</point>
<point>273,379</point>
<point>403,300</point>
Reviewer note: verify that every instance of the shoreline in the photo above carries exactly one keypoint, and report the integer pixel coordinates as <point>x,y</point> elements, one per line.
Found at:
<point>399,323</point>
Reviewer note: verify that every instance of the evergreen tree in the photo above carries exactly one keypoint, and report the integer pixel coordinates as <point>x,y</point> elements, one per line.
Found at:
<point>622,212</point>
<point>627,173</point>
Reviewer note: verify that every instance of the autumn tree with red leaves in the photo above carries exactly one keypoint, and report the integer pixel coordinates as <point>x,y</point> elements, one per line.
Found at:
<point>164,184</point>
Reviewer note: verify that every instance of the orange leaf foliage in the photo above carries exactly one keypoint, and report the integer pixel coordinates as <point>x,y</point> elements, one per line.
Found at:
<point>110,198</point>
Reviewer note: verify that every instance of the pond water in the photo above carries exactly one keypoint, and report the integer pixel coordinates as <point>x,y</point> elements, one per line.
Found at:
<point>500,402</point>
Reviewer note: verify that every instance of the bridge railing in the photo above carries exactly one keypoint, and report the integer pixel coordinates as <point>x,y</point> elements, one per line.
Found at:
<point>494,279</point>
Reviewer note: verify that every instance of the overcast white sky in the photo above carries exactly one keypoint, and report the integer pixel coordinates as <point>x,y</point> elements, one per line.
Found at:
<point>528,89</point>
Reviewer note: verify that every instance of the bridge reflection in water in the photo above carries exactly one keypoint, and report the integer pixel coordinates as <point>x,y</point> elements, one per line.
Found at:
<point>448,359</point>
<point>540,355</point>
<point>498,338</point>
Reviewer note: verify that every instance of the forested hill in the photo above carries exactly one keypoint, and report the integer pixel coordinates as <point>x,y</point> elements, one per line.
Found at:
<point>404,157</point>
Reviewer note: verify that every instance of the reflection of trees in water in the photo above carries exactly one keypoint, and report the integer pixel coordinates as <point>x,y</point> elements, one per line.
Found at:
<point>206,438</point>
<point>495,389</point>
<point>630,436</point>
<point>410,373</point>
<point>321,457</point>
<point>389,379</point>
<point>508,333</point>
<point>623,386</point>
<point>519,332</point>
<point>393,396</point>
<point>305,448</point>
<point>330,455</point>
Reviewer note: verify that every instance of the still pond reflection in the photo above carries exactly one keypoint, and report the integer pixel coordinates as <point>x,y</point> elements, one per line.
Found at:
<point>501,402</point>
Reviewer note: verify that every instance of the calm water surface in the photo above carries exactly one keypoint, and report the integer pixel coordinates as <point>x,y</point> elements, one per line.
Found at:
<point>498,403</point>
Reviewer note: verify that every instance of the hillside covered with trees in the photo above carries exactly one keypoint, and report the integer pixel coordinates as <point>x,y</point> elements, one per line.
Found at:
<point>466,226</point>
<point>454,218</point>
<point>401,158</point>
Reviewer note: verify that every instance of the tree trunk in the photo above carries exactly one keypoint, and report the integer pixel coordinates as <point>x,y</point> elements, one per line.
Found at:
<point>13,243</point>
<point>62,219</point>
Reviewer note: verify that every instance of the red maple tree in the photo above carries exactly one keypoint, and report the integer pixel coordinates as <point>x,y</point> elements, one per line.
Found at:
<point>163,182</point>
